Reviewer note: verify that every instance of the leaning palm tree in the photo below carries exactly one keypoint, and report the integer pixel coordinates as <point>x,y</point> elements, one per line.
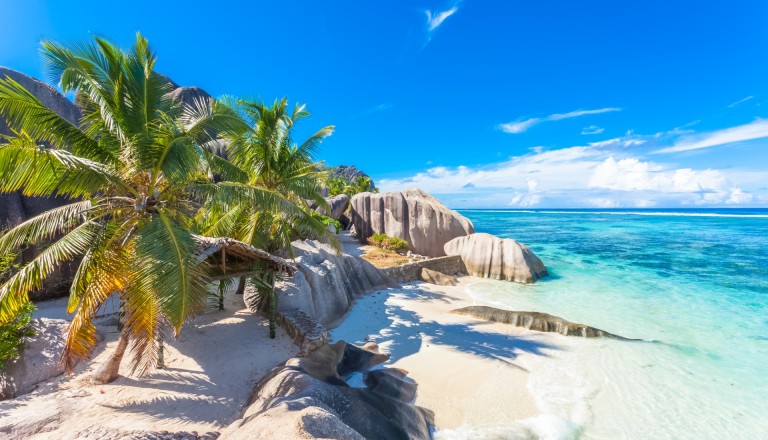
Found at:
<point>264,156</point>
<point>137,173</point>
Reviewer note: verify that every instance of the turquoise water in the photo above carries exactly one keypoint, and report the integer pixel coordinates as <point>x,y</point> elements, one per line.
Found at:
<point>693,282</point>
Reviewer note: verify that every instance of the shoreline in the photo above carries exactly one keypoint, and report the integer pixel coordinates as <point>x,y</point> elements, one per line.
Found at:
<point>468,371</point>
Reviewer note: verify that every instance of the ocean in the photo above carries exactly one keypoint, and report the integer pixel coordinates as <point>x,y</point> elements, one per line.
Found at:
<point>692,284</point>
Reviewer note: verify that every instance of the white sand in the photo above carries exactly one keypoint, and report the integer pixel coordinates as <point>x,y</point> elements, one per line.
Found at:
<point>210,372</point>
<point>466,369</point>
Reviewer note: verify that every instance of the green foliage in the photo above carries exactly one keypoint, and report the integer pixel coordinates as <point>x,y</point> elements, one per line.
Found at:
<point>325,220</point>
<point>339,185</point>
<point>384,241</point>
<point>12,334</point>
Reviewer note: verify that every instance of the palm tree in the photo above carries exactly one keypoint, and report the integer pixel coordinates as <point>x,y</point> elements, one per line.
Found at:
<point>136,171</point>
<point>264,156</point>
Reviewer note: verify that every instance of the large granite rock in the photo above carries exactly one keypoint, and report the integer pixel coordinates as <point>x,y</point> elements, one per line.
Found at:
<point>326,284</point>
<point>38,362</point>
<point>338,205</point>
<point>16,208</point>
<point>413,215</point>
<point>541,322</point>
<point>310,398</point>
<point>487,256</point>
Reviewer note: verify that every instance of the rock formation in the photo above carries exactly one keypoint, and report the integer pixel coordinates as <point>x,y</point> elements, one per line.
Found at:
<point>16,208</point>
<point>487,256</point>
<point>310,398</point>
<point>439,278</point>
<point>325,285</point>
<point>348,173</point>
<point>38,362</point>
<point>413,215</point>
<point>541,322</point>
<point>338,205</point>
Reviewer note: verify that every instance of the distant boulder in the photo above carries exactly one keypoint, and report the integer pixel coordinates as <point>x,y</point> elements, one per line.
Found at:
<point>338,205</point>
<point>541,322</point>
<point>412,215</point>
<point>487,256</point>
<point>189,95</point>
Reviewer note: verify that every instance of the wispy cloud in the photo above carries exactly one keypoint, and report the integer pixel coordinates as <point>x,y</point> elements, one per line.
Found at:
<point>522,125</point>
<point>436,18</point>
<point>378,108</point>
<point>592,129</point>
<point>747,132</point>
<point>740,101</point>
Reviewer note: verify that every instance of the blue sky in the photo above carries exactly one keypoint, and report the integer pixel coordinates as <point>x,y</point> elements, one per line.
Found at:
<point>484,103</point>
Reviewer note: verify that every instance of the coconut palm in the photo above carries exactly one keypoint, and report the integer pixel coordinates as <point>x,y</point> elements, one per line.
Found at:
<point>137,173</point>
<point>265,156</point>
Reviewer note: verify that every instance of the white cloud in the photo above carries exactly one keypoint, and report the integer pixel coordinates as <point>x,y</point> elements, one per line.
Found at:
<point>435,19</point>
<point>740,101</point>
<point>522,125</point>
<point>584,176</point>
<point>753,130</point>
<point>592,129</point>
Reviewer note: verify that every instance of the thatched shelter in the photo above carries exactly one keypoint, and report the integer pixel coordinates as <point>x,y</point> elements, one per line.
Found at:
<point>229,258</point>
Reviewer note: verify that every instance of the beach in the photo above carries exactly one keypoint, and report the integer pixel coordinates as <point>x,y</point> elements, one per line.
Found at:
<point>468,371</point>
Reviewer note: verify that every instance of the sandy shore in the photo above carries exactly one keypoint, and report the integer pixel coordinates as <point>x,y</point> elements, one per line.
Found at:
<point>467,370</point>
<point>210,372</point>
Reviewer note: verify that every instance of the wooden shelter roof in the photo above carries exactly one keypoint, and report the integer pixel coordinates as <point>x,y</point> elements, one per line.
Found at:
<point>210,248</point>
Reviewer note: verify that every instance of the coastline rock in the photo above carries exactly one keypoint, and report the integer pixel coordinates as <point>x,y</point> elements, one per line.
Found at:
<point>309,398</point>
<point>338,205</point>
<point>325,285</point>
<point>188,95</point>
<point>487,256</point>
<point>38,362</point>
<point>438,278</point>
<point>541,322</point>
<point>412,215</point>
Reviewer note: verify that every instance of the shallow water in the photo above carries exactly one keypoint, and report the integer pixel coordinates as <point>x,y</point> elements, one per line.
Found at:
<point>694,282</point>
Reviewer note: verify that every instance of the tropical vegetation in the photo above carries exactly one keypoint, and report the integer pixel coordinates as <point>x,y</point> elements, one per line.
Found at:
<point>340,185</point>
<point>143,178</point>
<point>384,241</point>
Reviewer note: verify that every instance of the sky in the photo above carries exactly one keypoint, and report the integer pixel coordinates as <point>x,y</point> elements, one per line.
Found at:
<point>483,103</point>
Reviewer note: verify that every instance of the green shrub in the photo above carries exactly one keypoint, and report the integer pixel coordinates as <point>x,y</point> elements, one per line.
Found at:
<point>395,244</point>
<point>384,241</point>
<point>377,239</point>
<point>12,334</point>
<point>324,219</point>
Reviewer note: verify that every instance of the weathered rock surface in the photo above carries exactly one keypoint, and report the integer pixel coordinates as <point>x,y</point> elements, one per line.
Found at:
<point>439,278</point>
<point>103,433</point>
<point>487,256</point>
<point>413,215</point>
<point>188,95</point>
<point>309,398</point>
<point>38,362</point>
<point>325,285</point>
<point>338,205</point>
<point>541,322</point>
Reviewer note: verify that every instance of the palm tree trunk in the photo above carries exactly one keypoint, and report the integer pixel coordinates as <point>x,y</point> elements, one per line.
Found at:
<point>240,286</point>
<point>221,295</point>
<point>272,306</point>
<point>109,370</point>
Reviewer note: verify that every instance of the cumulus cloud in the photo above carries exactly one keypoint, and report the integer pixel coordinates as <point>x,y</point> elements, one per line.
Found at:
<point>747,132</point>
<point>583,176</point>
<point>522,125</point>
